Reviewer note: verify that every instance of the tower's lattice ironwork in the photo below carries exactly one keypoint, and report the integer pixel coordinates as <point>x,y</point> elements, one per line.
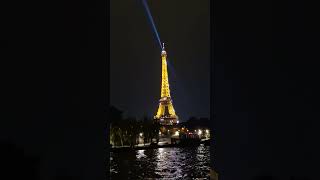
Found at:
<point>166,113</point>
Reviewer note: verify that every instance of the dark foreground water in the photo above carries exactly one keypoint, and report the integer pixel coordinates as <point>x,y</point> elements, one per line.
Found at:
<point>161,163</point>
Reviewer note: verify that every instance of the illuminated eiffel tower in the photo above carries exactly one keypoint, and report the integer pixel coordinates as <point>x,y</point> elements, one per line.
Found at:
<point>165,114</point>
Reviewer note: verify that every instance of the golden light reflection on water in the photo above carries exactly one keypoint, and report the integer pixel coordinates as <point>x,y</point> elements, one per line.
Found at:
<point>168,163</point>
<point>161,163</point>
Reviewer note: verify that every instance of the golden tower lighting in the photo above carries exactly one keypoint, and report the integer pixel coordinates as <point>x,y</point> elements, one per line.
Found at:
<point>165,114</point>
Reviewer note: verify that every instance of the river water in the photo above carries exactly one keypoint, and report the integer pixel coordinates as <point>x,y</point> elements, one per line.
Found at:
<point>161,163</point>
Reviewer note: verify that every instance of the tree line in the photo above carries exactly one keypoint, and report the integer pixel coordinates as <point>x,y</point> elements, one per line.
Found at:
<point>126,131</point>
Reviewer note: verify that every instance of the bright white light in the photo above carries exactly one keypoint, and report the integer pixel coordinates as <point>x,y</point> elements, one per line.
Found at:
<point>207,131</point>
<point>177,121</point>
<point>141,134</point>
<point>177,133</point>
<point>159,133</point>
<point>199,132</point>
<point>195,130</point>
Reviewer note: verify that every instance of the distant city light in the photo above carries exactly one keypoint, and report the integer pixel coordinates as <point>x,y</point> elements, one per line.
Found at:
<point>141,134</point>
<point>159,133</point>
<point>177,133</point>
<point>199,132</point>
<point>177,121</point>
<point>207,131</point>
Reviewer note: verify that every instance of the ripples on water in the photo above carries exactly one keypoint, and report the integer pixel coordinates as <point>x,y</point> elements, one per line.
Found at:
<point>168,163</point>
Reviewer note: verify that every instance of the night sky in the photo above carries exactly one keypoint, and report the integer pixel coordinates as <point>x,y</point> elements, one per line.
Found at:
<point>135,61</point>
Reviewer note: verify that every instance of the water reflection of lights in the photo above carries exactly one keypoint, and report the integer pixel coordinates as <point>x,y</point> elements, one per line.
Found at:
<point>113,166</point>
<point>168,163</point>
<point>160,155</point>
<point>140,154</point>
<point>163,163</point>
<point>202,158</point>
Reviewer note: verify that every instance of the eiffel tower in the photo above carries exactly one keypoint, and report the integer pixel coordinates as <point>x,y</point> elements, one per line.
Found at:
<point>165,114</point>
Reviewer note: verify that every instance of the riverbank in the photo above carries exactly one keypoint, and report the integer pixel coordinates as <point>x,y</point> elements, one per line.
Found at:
<point>186,143</point>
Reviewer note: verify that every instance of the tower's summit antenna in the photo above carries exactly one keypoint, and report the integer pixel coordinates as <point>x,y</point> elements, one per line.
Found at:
<point>163,51</point>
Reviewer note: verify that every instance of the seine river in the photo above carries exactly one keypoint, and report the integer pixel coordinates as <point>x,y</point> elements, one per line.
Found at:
<point>161,163</point>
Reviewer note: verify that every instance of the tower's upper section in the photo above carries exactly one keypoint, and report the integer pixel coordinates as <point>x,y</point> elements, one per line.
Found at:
<point>163,52</point>
<point>165,90</point>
